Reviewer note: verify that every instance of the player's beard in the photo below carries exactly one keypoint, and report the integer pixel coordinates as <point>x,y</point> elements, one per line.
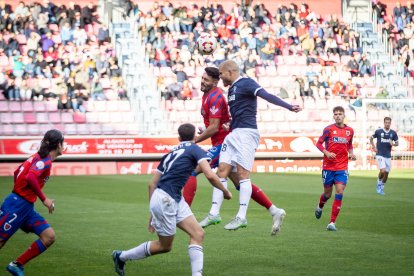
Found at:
<point>206,88</point>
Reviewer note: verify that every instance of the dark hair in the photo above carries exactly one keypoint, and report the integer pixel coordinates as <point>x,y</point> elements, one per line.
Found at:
<point>213,72</point>
<point>339,108</point>
<point>186,132</point>
<point>387,119</point>
<point>50,142</point>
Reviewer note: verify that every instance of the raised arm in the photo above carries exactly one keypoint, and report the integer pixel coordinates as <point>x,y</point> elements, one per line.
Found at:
<point>277,101</point>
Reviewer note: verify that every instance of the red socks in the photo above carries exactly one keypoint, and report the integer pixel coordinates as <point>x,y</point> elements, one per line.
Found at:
<point>34,250</point>
<point>322,200</point>
<point>190,189</point>
<point>260,197</point>
<point>336,207</point>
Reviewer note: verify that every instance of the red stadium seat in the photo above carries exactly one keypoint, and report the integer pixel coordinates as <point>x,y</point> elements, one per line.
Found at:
<point>79,118</point>
<point>20,129</point>
<point>6,129</point>
<point>33,129</point>
<point>112,106</point>
<point>271,70</point>
<point>108,129</point>
<point>4,106</point>
<point>17,118</point>
<point>115,117</point>
<point>100,105</point>
<point>66,117</point>
<point>103,117</point>
<point>54,117</point>
<point>42,117</point>
<point>83,129</point>
<point>70,129</point>
<point>27,106</point>
<point>15,106</point>
<point>29,118</point>
<point>95,129</point>
<point>39,106</point>
<point>91,117</point>
<point>51,106</point>
<point>44,128</point>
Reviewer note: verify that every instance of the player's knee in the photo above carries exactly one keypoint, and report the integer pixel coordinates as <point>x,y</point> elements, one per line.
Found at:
<point>48,237</point>
<point>199,235</point>
<point>382,171</point>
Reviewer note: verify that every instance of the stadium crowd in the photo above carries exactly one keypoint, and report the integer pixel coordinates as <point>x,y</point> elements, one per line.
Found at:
<point>326,49</point>
<point>57,53</point>
<point>63,53</point>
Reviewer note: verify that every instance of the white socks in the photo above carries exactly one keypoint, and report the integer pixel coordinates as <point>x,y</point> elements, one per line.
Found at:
<point>217,199</point>
<point>273,210</point>
<point>244,197</point>
<point>196,259</point>
<point>140,252</point>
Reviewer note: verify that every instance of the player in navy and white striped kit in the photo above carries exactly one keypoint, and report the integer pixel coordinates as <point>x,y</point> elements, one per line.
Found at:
<point>239,147</point>
<point>386,139</point>
<point>168,208</point>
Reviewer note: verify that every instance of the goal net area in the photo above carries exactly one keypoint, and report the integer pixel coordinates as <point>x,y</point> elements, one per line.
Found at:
<point>371,117</point>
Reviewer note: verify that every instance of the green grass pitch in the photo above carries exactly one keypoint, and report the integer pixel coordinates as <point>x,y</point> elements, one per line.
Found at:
<point>97,214</point>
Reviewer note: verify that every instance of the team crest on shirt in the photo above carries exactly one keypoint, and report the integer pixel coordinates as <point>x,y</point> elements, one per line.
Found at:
<point>382,134</point>
<point>7,226</point>
<point>214,110</point>
<point>334,132</point>
<point>348,133</point>
<point>40,165</point>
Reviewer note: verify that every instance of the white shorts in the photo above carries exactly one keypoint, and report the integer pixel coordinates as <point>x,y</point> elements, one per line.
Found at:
<point>383,163</point>
<point>167,213</point>
<point>239,147</point>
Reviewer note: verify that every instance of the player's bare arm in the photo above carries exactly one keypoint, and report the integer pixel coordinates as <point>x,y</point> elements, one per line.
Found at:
<point>212,129</point>
<point>213,178</point>
<point>352,156</point>
<point>329,154</point>
<point>371,140</point>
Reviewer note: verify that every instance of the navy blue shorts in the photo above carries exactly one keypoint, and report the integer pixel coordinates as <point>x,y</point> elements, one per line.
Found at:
<point>334,177</point>
<point>15,213</point>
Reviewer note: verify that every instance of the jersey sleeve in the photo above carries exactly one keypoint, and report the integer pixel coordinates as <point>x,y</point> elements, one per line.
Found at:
<point>395,136</point>
<point>253,87</point>
<point>216,105</point>
<point>350,146</point>
<point>200,154</point>
<point>160,167</point>
<point>375,135</point>
<point>323,138</point>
